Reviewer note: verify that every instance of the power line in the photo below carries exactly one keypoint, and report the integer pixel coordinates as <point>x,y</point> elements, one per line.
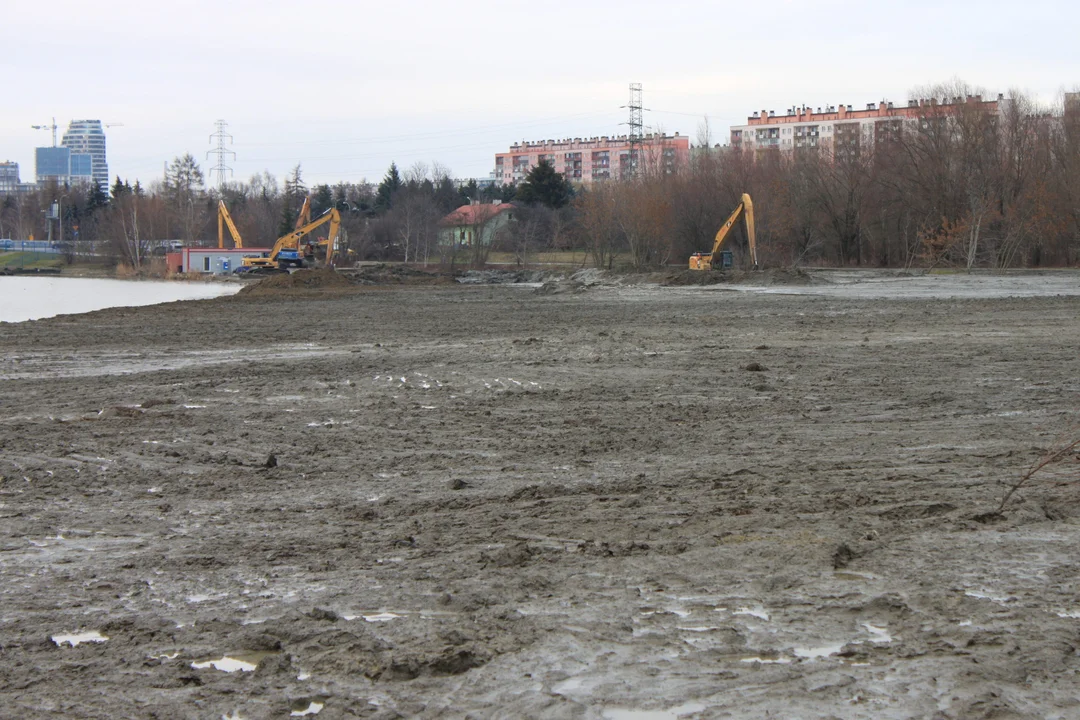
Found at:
<point>474,130</point>
<point>221,151</point>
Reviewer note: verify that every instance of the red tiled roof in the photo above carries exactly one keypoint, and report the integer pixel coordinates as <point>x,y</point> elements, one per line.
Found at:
<point>474,214</point>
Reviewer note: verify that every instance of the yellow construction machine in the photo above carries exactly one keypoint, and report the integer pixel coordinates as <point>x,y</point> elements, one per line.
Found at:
<point>704,261</point>
<point>288,251</point>
<point>225,219</point>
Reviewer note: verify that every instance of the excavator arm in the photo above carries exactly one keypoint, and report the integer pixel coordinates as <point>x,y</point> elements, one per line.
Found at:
<point>701,261</point>
<point>305,214</point>
<point>224,218</point>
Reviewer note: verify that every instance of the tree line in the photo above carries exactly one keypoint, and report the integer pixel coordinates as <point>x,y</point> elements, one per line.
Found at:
<point>954,185</point>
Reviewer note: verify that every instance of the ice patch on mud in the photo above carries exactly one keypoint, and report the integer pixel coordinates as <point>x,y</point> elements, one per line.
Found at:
<point>778,660</point>
<point>813,653</point>
<point>501,384</point>
<point>670,714</point>
<point>759,612</point>
<point>852,575</point>
<point>241,662</point>
<point>979,595</point>
<point>1073,614</point>
<point>878,634</point>
<point>73,639</point>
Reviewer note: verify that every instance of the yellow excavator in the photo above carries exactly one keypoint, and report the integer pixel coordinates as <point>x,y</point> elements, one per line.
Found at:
<point>288,252</point>
<point>225,219</point>
<point>704,261</point>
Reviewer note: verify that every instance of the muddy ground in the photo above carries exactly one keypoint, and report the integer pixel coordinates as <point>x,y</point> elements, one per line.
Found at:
<point>493,502</point>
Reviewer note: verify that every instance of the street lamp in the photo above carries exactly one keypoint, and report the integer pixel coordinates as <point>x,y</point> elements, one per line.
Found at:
<point>61,201</point>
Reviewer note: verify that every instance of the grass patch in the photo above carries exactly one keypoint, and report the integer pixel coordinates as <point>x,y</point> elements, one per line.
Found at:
<point>30,260</point>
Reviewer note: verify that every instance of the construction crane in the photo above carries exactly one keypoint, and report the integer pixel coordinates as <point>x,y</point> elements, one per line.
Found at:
<point>704,261</point>
<point>225,219</point>
<point>48,127</point>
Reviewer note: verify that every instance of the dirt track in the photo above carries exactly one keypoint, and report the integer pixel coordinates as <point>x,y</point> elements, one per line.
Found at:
<point>490,502</point>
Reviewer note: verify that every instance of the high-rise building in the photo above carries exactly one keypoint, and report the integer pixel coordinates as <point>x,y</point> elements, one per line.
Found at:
<point>842,131</point>
<point>9,177</point>
<point>588,160</point>
<point>87,137</point>
<point>61,165</point>
<point>9,180</point>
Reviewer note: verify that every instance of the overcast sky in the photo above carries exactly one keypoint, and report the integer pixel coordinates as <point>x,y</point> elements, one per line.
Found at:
<point>344,88</point>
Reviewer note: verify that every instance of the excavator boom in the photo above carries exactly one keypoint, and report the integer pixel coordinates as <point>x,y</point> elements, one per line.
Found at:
<point>224,218</point>
<point>701,261</point>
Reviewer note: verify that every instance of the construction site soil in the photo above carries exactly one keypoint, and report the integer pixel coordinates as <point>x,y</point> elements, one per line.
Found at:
<point>628,501</point>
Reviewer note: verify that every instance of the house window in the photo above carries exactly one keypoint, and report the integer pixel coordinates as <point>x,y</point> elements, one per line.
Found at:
<point>206,264</point>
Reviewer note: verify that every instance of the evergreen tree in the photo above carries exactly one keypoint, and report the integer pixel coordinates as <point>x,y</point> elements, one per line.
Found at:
<point>183,179</point>
<point>391,183</point>
<point>447,198</point>
<point>470,192</point>
<point>119,188</point>
<point>96,199</point>
<point>545,186</point>
<point>295,189</point>
<point>288,220</point>
<point>322,200</point>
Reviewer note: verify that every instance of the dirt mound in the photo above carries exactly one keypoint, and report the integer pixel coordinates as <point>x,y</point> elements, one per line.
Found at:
<point>777,276</point>
<point>396,275</point>
<point>301,280</point>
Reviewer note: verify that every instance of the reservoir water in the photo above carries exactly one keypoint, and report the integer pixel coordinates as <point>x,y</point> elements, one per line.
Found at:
<point>34,298</point>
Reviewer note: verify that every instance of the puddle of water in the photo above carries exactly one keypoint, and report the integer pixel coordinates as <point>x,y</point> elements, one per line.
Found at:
<point>239,662</point>
<point>670,714</point>
<point>34,298</point>
<point>313,708</point>
<point>758,612</point>
<point>73,639</point>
